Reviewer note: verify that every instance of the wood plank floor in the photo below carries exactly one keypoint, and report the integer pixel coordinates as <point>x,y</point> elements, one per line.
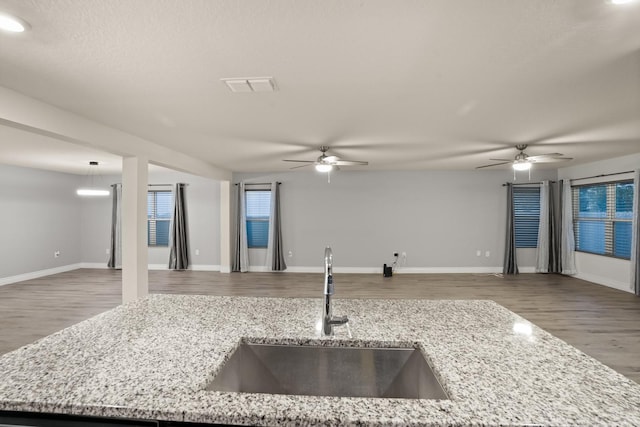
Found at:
<point>602,322</point>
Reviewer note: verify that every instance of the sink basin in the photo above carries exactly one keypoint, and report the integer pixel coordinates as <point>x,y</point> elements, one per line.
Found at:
<point>328,371</point>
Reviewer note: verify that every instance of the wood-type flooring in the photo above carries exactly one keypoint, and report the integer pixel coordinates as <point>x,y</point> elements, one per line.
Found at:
<point>602,322</point>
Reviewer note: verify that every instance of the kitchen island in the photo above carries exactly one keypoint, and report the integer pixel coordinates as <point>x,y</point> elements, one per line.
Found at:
<point>152,359</point>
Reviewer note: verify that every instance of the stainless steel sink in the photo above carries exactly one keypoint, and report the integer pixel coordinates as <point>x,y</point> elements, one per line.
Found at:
<point>328,371</point>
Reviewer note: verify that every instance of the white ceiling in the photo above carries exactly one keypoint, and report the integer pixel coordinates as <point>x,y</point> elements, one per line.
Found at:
<point>425,84</point>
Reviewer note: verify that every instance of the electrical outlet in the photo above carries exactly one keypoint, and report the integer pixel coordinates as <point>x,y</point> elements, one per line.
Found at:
<point>56,254</point>
<point>197,251</point>
<point>290,254</point>
<point>478,252</point>
<point>107,251</point>
<point>404,255</point>
<point>487,254</point>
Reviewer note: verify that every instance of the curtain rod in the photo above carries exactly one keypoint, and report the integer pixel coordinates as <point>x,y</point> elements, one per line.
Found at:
<point>258,183</point>
<point>528,183</point>
<point>601,176</point>
<point>157,185</point>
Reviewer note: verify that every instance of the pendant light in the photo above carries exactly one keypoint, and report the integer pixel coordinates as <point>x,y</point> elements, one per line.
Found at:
<point>92,189</point>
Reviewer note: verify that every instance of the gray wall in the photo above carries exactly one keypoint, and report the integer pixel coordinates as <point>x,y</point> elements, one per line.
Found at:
<point>439,218</point>
<point>39,214</point>
<point>203,199</point>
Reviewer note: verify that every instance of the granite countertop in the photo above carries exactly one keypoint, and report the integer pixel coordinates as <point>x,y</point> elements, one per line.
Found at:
<point>152,358</point>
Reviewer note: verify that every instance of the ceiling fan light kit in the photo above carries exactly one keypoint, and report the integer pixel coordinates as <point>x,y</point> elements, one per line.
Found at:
<point>323,167</point>
<point>522,165</point>
<point>523,162</point>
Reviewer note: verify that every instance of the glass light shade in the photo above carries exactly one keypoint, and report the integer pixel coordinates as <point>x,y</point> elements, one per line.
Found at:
<point>12,24</point>
<point>92,192</point>
<point>622,1</point>
<point>323,168</point>
<point>522,166</point>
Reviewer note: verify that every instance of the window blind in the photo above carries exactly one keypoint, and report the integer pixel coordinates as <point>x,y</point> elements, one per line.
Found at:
<point>526,210</point>
<point>159,213</point>
<point>602,218</point>
<point>258,205</point>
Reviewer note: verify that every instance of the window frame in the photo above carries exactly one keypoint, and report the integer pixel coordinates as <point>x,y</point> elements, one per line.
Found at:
<point>152,217</point>
<point>249,219</point>
<point>609,220</point>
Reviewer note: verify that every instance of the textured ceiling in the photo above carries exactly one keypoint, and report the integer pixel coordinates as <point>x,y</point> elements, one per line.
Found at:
<point>436,84</point>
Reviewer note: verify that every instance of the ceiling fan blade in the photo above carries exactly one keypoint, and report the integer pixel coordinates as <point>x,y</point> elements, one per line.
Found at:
<point>502,160</point>
<point>495,164</point>
<point>302,166</point>
<point>300,161</point>
<point>544,159</point>
<point>349,163</point>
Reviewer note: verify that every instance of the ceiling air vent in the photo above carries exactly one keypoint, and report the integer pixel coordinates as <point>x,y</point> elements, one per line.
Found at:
<point>250,84</point>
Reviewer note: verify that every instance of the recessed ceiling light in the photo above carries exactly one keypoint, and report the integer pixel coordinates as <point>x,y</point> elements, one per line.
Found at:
<point>12,24</point>
<point>621,1</point>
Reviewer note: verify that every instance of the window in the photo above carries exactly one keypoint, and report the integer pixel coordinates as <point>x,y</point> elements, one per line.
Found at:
<point>258,203</point>
<point>159,213</point>
<point>602,215</point>
<point>526,211</point>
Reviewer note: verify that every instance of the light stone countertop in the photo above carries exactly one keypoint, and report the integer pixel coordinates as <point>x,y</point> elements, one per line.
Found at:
<point>152,358</point>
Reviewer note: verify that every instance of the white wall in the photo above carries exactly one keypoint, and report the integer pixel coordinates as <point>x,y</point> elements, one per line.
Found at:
<point>203,210</point>
<point>612,272</point>
<point>39,215</point>
<point>439,218</point>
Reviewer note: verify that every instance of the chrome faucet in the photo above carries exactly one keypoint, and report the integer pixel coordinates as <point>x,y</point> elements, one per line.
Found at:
<point>328,321</point>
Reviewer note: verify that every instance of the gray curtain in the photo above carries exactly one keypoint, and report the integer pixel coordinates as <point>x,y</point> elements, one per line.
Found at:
<point>568,242</point>
<point>276,255</point>
<point>555,254</point>
<point>510,265</point>
<point>548,259</point>
<point>542,250</point>
<point>179,235</point>
<point>240,260</point>
<point>635,235</point>
<point>115,247</point>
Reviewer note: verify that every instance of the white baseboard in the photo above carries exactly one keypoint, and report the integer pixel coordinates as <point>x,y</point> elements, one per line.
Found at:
<point>194,267</point>
<point>204,267</point>
<point>101,265</point>
<point>37,274</point>
<point>401,270</point>
<point>604,281</point>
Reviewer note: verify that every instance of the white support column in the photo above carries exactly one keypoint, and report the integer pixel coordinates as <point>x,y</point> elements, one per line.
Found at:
<point>225,226</point>
<point>135,274</point>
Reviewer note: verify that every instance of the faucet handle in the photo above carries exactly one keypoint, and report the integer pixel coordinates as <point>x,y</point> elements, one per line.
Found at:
<point>339,320</point>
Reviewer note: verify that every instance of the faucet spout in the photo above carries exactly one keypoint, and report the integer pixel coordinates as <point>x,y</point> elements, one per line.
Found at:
<point>328,321</point>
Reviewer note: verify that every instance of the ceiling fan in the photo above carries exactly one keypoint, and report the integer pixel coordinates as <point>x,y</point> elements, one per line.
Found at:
<point>523,161</point>
<point>326,163</point>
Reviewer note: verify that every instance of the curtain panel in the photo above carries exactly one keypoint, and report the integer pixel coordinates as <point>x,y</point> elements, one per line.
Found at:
<point>179,237</point>
<point>635,235</point>
<point>240,262</point>
<point>568,243</point>
<point>548,249</point>
<point>115,246</point>
<point>275,250</point>
<point>510,264</point>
